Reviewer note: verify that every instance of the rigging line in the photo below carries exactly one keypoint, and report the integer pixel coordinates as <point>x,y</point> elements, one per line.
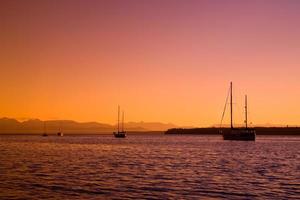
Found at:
<point>224,108</point>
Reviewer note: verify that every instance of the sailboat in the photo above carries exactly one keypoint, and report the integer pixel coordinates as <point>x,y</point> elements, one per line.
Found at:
<point>245,133</point>
<point>122,133</point>
<point>60,133</point>
<point>45,133</point>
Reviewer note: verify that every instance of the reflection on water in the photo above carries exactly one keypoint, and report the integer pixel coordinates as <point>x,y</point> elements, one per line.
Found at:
<point>156,166</point>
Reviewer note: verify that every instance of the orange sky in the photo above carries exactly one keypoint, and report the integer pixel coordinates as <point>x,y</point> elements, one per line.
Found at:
<point>166,61</point>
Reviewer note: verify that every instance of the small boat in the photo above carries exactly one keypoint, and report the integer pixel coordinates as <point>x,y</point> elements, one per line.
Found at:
<point>118,133</point>
<point>246,133</point>
<point>44,134</point>
<point>60,133</point>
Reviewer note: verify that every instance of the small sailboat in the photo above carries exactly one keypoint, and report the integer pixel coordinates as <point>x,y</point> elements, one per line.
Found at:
<point>45,134</point>
<point>245,133</point>
<point>60,133</point>
<point>122,133</point>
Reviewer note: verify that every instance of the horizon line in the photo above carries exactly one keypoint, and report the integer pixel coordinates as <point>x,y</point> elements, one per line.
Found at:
<point>165,123</point>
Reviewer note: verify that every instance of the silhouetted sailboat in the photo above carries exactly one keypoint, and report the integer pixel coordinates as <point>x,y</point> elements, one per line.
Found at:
<point>118,133</point>
<point>45,134</point>
<point>238,133</point>
<point>60,133</point>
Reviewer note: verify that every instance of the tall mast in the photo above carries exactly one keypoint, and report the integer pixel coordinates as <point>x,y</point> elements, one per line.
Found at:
<point>118,118</point>
<point>122,121</point>
<point>231,123</point>
<point>246,112</point>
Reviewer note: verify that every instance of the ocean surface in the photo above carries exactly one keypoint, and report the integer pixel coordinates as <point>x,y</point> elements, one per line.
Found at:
<point>149,167</point>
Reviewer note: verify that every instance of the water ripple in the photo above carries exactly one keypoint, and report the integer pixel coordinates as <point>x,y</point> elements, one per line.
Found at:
<point>148,167</point>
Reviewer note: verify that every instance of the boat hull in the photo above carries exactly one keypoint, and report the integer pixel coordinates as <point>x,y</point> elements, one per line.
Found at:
<point>60,134</point>
<point>120,134</point>
<point>240,134</point>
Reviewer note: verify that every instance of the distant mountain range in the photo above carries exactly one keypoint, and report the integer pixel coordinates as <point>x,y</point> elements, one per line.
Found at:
<point>9,125</point>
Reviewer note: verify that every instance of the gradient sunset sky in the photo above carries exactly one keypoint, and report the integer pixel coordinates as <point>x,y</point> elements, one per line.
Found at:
<point>167,61</point>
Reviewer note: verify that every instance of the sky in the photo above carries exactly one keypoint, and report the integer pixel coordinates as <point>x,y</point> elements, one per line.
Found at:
<point>163,61</point>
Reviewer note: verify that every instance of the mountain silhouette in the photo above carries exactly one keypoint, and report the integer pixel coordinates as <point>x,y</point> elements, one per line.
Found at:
<point>9,125</point>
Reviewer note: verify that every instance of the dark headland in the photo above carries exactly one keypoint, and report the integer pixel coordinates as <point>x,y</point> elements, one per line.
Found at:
<point>215,131</point>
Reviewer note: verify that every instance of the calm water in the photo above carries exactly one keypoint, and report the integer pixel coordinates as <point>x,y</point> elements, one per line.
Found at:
<point>148,166</point>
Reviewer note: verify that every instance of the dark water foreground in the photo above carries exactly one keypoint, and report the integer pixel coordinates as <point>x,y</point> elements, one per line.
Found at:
<point>149,166</point>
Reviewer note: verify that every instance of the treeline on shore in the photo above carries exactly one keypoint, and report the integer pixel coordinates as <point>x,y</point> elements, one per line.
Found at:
<point>214,131</point>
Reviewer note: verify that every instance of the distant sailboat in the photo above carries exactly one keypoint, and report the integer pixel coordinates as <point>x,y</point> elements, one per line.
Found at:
<point>238,133</point>
<point>60,133</point>
<point>118,133</point>
<point>45,134</point>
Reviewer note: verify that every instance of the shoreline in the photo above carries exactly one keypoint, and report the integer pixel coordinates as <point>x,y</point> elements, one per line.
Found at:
<point>295,131</point>
<point>83,134</point>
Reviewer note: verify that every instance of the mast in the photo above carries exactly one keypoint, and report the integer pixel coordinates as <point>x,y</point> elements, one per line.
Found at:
<point>118,118</point>
<point>44,127</point>
<point>231,123</point>
<point>122,121</point>
<point>59,128</point>
<point>246,112</point>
